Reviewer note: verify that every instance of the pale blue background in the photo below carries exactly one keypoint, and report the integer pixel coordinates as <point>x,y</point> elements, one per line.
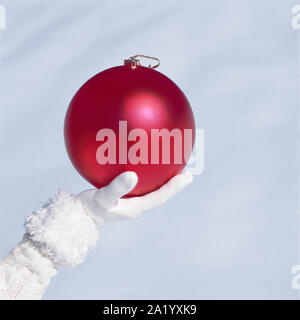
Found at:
<point>233,232</point>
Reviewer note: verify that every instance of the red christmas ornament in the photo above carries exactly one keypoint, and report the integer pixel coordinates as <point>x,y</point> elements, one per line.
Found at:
<point>141,98</point>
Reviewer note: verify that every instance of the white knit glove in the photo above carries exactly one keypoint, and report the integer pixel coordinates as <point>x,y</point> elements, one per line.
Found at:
<point>64,230</point>
<point>107,203</point>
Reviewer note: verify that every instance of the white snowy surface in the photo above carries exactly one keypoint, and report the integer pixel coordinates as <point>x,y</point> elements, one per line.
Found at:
<point>233,232</point>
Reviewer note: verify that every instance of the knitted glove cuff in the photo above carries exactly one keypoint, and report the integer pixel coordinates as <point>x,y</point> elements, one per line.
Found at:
<point>62,230</point>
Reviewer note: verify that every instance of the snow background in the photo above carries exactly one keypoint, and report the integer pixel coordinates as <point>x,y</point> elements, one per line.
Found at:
<point>233,232</point>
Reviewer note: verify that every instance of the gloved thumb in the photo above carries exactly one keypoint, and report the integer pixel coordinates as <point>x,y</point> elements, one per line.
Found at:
<point>108,196</point>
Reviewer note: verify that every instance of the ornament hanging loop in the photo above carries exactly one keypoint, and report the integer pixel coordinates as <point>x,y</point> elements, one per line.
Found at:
<point>147,57</point>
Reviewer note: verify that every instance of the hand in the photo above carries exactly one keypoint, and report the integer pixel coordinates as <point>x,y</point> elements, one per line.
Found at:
<point>107,203</point>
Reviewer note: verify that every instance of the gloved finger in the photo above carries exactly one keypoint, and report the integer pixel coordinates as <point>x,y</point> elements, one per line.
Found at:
<point>167,191</point>
<point>119,187</point>
<point>132,207</point>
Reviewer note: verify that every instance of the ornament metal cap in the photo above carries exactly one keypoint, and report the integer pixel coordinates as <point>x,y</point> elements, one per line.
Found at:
<point>133,62</point>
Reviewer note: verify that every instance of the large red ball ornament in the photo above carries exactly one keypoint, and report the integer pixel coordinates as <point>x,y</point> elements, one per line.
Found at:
<point>125,98</point>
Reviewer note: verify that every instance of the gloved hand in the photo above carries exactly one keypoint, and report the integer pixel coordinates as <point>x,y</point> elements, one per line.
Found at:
<point>107,203</point>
